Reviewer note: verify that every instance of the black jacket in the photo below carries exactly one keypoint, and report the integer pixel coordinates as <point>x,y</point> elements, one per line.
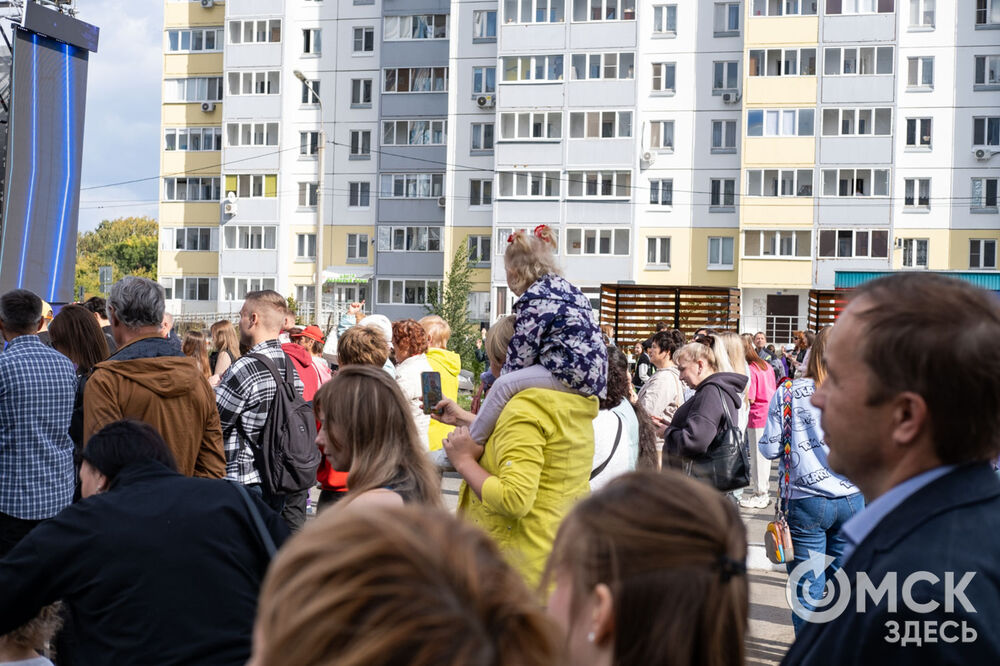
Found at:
<point>161,569</point>
<point>950,525</point>
<point>697,421</point>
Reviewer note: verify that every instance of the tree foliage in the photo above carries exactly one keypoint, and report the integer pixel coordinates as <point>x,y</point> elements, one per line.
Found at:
<point>452,305</point>
<point>127,244</point>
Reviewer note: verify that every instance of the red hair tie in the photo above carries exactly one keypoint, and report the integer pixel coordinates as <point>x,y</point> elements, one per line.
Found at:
<point>537,233</point>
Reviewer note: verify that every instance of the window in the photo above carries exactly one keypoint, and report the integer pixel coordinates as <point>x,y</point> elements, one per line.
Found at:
<point>987,13</point>
<point>250,237</point>
<point>920,72</point>
<point>196,288</point>
<point>917,192</point>
<point>782,62</point>
<point>860,6</point>
<point>531,68</point>
<point>361,93</point>
<point>603,10</point>
<point>191,189</point>
<point>193,138</point>
<point>918,132</point>
<point>601,242</point>
<point>922,13</point>
<point>784,7</point>
<point>196,239</point>
<point>305,294</point>
<point>986,131</point>
<point>308,195</point>
<point>599,184</point>
<point>255,32</point>
<point>411,185</point>
<point>855,182</point>
<point>414,133</point>
<point>858,61</point>
<point>253,185</point>
<point>658,252</point>
<point>525,184</point>
<point>665,20</point>
<point>602,66</point>
<point>306,246</point>
<point>664,77</point>
<point>780,122</point>
<point>364,39</point>
<point>479,250</point>
<point>873,243</point>
<point>197,89</point>
<point>727,19</point>
<point>530,126</point>
<point>857,122</point>
<point>726,76</point>
<point>236,289</point>
<point>661,192</point>
<point>484,24</point>
<point>357,248</point>
<point>310,92</point>
<point>252,134</point>
<point>359,194</point>
<point>724,136</point>
<point>196,40</point>
<point>480,192</point>
<point>915,252</point>
<point>311,41</point>
<point>416,79</point>
<point>777,244</point>
<point>484,80</point>
<point>409,239</point>
<point>982,253</point>
<point>779,183</point>
<point>723,193</point>
<point>482,137</point>
<point>309,143</point>
<point>403,28</point>
<point>988,71</point>
<point>984,194</point>
<point>600,124</point>
<point>661,135</point>
<point>534,11</point>
<point>254,83</point>
<point>407,292</point>
<point>720,252</point>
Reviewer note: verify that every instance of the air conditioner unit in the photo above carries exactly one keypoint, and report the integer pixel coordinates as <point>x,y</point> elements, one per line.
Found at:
<point>731,98</point>
<point>647,159</point>
<point>230,208</point>
<point>207,4</point>
<point>442,201</point>
<point>982,154</point>
<point>208,107</point>
<point>486,101</point>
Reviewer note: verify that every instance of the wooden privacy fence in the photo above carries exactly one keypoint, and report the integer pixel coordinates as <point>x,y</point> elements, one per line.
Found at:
<point>825,305</point>
<point>633,310</point>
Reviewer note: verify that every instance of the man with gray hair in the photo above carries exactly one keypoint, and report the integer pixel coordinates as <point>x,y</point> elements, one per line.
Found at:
<point>150,380</point>
<point>37,390</point>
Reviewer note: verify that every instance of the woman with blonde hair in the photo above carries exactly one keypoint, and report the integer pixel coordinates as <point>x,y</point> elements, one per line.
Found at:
<point>366,429</point>
<point>195,346</point>
<point>651,570</point>
<point>397,586</point>
<point>227,348</point>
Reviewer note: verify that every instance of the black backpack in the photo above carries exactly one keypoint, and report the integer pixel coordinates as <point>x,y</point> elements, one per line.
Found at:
<point>286,454</point>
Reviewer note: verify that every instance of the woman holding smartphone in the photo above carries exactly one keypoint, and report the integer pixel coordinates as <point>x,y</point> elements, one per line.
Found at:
<point>409,341</point>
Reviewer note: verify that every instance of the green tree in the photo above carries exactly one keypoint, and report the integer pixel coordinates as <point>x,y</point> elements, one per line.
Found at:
<point>452,305</point>
<point>127,244</point>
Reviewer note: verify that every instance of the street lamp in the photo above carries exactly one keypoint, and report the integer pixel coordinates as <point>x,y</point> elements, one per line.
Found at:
<point>319,196</point>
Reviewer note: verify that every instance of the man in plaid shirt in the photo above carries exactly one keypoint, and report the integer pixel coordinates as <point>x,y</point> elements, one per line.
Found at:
<point>246,390</point>
<point>37,390</point>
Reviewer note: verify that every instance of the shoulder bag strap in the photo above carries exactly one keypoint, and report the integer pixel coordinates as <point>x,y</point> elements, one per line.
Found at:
<point>258,522</point>
<point>784,487</point>
<point>725,408</point>
<point>600,468</point>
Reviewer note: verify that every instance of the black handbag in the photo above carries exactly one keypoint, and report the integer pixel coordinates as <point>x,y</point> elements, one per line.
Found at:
<point>725,464</point>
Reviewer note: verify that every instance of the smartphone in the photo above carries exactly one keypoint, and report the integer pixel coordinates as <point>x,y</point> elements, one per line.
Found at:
<point>430,382</point>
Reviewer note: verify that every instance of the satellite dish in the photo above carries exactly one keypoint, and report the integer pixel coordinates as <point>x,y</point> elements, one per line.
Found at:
<point>231,197</point>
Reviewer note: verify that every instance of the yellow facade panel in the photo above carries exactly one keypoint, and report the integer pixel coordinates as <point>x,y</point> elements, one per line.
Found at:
<point>958,253</point>
<point>701,274</point>
<point>335,245</point>
<point>181,214</point>
<point>192,163</point>
<point>190,114</point>
<point>679,272</point>
<point>785,150</point>
<point>772,212</point>
<point>192,64</point>
<point>776,273</point>
<point>460,235</point>
<point>781,30</point>
<point>939,248</point>
<point>780,91</point>
<point>187,14</point>
<point>188,263</point>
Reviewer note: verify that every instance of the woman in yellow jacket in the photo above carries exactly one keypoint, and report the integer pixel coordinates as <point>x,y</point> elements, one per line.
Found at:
<point>445,362</point>
<point>534,467</point>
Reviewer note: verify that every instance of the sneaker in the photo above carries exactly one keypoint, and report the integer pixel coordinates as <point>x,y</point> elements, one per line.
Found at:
<point>755,501</point>
<point>762,501</point>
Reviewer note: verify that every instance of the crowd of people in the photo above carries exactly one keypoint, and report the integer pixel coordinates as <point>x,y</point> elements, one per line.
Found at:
<point>154,491</point>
